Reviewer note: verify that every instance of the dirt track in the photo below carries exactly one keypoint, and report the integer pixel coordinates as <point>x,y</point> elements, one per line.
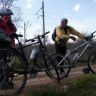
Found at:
<point>43,80</point>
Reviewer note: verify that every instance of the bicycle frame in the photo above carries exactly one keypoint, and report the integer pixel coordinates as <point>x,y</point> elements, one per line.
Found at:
<point>41,48</point>
<point>75,61</point>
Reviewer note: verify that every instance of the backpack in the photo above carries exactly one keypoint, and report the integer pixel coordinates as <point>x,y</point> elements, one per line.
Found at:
<point>54,33</point>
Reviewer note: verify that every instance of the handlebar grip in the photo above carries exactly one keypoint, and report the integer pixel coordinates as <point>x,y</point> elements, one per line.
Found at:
<point>20,35</point>
<point>45,34</point>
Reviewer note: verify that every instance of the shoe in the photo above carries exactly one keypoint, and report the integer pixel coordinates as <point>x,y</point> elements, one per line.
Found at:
<point>62,71</point>
<point>86,70</point>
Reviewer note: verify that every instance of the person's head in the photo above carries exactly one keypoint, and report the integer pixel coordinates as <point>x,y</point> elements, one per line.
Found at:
<point>6,13</point>
<point>64,22</point>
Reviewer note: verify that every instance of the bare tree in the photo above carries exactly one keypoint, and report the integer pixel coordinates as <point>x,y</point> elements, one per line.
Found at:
<point>6,3</point>
<point>10,4</point>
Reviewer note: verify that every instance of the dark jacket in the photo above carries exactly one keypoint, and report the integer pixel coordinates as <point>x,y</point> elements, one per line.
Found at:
<point>8,27</point>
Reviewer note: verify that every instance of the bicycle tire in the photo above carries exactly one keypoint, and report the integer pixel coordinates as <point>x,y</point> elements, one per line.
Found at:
<point>17,65</point>
<point>55,57</point>
<point>51,69</point>
<point>92,62</point>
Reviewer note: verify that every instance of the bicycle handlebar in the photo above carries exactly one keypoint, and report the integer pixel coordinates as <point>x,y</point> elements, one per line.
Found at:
<point>93,33</point>
<point>90,37</point>
<point>33,40</point>
<point>15,35</point>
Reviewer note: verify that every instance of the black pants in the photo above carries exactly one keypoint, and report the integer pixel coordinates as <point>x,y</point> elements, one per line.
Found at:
<point>61,50</point>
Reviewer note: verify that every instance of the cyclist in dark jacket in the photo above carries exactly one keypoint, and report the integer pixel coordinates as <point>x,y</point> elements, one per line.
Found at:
<point>6,23</point>
<point>8,27</point>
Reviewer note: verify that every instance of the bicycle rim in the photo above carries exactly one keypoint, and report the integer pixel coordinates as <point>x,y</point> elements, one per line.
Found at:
<point>51,69</point>
<point>64,67</point>
<point>12,82</point>
<point>92,63</point>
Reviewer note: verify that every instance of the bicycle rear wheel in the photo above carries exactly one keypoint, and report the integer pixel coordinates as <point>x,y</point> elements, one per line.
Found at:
<point>13,78</point>
<point>92,62</point>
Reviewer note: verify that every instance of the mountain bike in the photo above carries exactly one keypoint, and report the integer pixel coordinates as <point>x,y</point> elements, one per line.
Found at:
<point>14,66</point>
<point>41,58</point>
<point>72,58</point>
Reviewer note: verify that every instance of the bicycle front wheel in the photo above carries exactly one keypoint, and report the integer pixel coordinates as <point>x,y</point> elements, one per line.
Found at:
<point>51,69</point>
<point>12,76</point>
<point>63,67</point>
<point>92,62</point>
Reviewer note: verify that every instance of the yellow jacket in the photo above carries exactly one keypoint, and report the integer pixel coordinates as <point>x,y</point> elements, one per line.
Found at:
<point>60,33</point>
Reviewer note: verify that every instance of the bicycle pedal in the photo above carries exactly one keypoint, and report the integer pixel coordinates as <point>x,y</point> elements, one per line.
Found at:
<point>33,75</point>
<point>32,69</point>
<point>72,65</point>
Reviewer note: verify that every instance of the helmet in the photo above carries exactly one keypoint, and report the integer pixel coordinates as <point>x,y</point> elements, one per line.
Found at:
<point>5,11</point>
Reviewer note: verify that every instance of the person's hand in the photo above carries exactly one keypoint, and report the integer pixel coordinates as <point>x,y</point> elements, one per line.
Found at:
<point>73,38</point>
<point>87,38</point>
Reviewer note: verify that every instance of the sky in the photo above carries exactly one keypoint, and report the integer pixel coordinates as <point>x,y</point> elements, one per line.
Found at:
<point>81,15</point>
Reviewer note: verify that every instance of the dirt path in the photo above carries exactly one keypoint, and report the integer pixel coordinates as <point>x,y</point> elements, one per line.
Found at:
<point>43,80</point>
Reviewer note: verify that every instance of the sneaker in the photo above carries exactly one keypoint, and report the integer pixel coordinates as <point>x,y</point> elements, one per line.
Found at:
<point>86,70</point>
<point>62,71</point>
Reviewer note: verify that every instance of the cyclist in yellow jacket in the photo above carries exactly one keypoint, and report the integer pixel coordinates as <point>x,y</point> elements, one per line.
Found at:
<point>63,32</point>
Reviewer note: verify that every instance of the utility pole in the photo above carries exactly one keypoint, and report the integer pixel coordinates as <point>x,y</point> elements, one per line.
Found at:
<point>26,25</point>
<point>24,32</point>
<point>43,18</point>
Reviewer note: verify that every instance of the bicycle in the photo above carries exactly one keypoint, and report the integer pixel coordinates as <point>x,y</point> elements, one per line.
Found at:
<point>41,58</point>
<point>14,66</point>
<point>72,58</point>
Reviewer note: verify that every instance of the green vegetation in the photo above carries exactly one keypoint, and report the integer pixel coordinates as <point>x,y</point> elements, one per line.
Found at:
<point>83,86</point>
<point>49,91</point>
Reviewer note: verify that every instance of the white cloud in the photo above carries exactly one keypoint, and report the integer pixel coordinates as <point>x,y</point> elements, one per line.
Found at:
<point>29,3</point>
<point>29,6</point>
<point>77,7</point>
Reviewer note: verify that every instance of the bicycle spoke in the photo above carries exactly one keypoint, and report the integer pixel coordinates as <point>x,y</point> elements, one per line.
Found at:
<point>12,82</point>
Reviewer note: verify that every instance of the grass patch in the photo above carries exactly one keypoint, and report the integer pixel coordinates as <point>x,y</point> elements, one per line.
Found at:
<point>85,85</point>
<point>49,91</point>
